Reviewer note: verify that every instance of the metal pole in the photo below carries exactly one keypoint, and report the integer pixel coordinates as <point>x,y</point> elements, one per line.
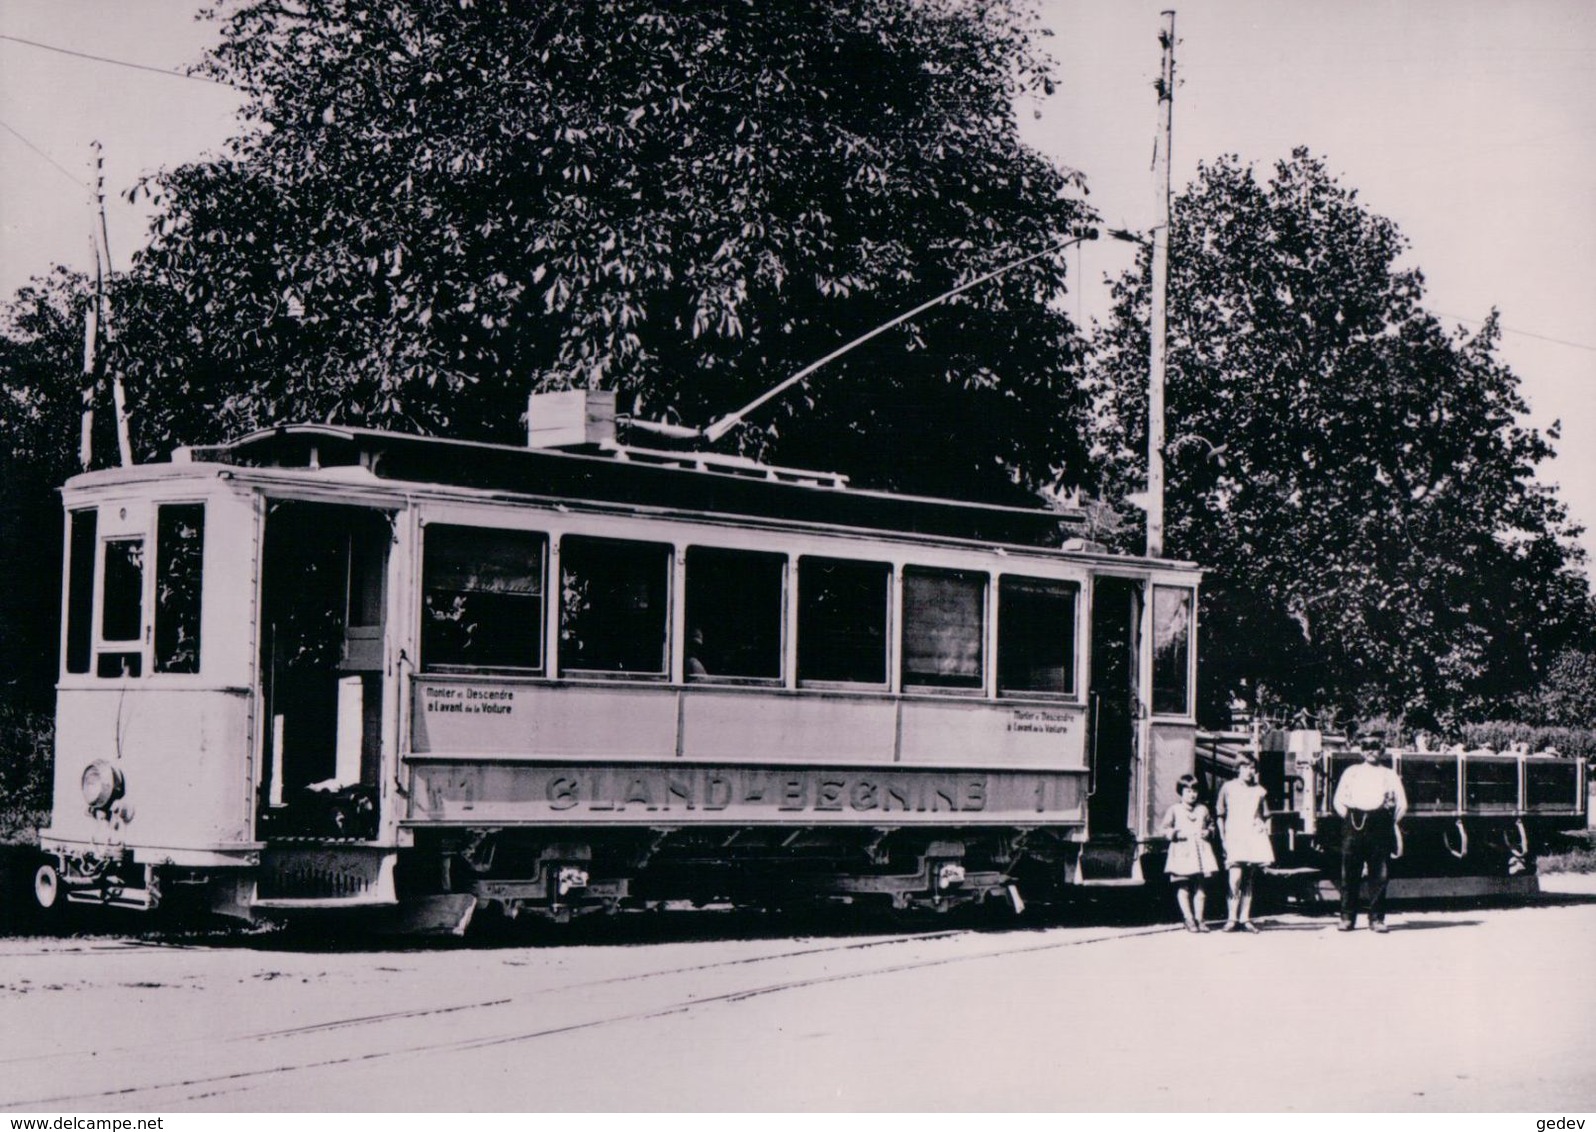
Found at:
<point>1160,297</point>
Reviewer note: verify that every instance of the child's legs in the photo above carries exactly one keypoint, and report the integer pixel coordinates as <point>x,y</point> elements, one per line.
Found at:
<point>1183,887</point>
<point>1238,877</point>
<point>1249,878</point>
<point>1199,897</point>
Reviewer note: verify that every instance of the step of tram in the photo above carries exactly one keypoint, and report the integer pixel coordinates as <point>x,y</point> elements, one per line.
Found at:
<point>1108,863</point>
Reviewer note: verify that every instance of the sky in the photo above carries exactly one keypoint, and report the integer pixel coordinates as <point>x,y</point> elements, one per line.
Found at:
<point>1470,123</point>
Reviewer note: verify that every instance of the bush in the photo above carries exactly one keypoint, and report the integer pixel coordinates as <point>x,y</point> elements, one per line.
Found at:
<point>1580,858</point>
<point>1571,742</point>
<point>26,741</point>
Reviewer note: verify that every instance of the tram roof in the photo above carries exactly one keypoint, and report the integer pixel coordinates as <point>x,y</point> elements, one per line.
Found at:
<point>641,477</point>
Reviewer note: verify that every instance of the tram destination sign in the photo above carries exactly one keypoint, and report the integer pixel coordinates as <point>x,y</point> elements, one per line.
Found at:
<point>586,794</point>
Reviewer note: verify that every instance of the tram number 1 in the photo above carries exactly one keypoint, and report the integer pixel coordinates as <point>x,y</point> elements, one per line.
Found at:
<point>1052,794</point>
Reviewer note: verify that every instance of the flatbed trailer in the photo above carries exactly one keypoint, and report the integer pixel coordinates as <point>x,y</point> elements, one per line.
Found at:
<point>1477,820</point>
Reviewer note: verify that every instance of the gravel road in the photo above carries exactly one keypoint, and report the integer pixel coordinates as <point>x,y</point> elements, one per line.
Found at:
<point>1458,1008</point>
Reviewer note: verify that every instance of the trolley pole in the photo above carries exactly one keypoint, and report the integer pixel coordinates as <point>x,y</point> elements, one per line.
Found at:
<point>1160,296</point>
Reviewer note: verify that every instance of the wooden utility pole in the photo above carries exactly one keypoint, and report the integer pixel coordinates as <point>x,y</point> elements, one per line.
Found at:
<point>91,333</point>
<point>124,443</point>
<point>1160,298</point>
<point>98,323</point>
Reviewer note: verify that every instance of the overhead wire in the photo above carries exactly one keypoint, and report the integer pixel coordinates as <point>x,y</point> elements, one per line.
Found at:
<point>1522,333</point>
<point>115,62</point>
<point>62,169</point>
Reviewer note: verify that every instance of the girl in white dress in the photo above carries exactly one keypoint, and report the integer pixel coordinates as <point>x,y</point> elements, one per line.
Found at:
<point>1243,808</point>
<point>1188,825</point>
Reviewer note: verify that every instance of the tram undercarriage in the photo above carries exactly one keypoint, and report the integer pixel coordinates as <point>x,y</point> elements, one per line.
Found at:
<point>560,874</point>
<point>451,875</point>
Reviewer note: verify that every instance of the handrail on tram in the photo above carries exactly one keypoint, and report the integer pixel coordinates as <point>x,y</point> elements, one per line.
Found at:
<point>1091,761</point>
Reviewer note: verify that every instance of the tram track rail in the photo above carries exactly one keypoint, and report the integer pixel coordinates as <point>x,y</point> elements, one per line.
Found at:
<point>141,1075</point>
<point>397,1015</point>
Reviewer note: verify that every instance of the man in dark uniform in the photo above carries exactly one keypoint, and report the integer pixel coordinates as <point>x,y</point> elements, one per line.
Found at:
<point>1370,800</point>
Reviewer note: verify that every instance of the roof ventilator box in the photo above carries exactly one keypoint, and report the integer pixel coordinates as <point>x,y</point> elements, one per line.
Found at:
<point>570,418</point>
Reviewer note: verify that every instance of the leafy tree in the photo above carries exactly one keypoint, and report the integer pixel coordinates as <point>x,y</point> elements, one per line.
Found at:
<point>27,739</point>
<point>1566,694</point>
<point>1355,476</point>
<point>41,342</point>
<point>434,209</point>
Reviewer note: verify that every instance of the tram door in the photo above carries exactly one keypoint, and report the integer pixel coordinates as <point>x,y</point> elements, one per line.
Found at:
<point>323,573</point>
<point>1116,630</point>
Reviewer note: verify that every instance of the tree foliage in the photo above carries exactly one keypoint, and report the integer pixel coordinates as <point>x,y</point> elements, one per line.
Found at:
<point>436,208</point>
<point>1565,696</point>
<point>1356,477</point>
<point>41,336</point>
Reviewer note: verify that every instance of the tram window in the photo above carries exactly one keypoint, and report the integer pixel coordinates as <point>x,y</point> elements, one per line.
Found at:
<point>613,605</point>
<point>734,614</point>
<point>1172,631</point>
<point>122,603</point>
<point>1036,635</point>
<point>842,621</point>
<point>80,590</point>
<point>179,566</point>
<point>482,598</point>
<point>944,616</point>
<point>122,606</point>
<point>366,567</point>
<point>113,665</point>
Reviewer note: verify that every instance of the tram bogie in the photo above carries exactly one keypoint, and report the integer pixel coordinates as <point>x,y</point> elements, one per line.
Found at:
<point>325,669</point>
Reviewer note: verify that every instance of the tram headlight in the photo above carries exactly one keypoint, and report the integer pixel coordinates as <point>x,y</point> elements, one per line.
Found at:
<point>102,785</point>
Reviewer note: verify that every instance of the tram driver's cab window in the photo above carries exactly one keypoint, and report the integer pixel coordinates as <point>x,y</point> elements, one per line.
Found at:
<point>842,621</point>
<point>614,606</point>
<point>1036,636</point>
<point>482,599</point>
<point>944,626</point>
<point>735,603</point>
<point>121,608</point>
<point>111,621</point>
<point>1172,635</point>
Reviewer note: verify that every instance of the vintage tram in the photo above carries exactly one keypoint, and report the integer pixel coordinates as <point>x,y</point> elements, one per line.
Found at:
<point>324,668</point>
